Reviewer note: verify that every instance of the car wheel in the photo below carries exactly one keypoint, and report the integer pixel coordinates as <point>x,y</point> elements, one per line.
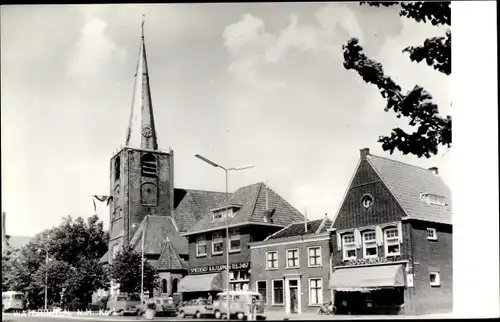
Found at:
<point>217,314</point>
<point>138,312</point>
<point>182,314</point>
<point>240,316</point>
<point>198,315</point>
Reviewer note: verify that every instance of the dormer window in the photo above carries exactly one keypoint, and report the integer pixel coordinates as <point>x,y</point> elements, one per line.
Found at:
<point>220,213</point>
<point>433,199</point>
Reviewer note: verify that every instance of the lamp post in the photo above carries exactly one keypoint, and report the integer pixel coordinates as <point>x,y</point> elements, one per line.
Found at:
<point>226,219</point>
<point>46,274</point>
<point>142,261</point>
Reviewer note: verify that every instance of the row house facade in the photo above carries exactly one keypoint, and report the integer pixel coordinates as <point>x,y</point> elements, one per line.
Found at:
<point>392,241</point>
<point>290,268</point>
<point>254,212</point>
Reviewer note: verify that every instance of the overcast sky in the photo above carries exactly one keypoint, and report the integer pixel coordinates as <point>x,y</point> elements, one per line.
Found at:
<point>259,84</point>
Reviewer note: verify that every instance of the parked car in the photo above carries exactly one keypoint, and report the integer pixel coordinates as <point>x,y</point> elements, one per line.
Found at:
<point>197,308</point>
<point>125,304</point>
<point>165,306</point>
<point>241,304</point>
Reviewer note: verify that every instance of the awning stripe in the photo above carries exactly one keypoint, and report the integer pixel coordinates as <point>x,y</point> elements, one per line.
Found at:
<point>201,283</point>
<point>368,277</point>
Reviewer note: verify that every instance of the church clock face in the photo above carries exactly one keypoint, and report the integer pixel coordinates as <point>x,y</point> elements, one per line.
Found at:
<point>147,131</point>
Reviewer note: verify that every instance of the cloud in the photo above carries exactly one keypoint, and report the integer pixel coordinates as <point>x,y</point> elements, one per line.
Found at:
<point>255,52</point>
<point>94,50</point>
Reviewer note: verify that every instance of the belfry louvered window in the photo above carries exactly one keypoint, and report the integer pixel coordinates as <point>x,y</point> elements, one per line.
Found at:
<point>148,165</point>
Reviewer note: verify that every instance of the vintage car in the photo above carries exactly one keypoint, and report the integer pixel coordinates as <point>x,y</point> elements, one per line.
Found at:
<point>243,304</point>
<point>197,308</point>
<point>125,304</point>
<point>164,306</point>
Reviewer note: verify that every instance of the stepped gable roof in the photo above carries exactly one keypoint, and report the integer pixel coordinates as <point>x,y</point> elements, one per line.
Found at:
<point>169,258</point>
<point>158,228</point>
<point>192,205</point>
<point>314,227</point>
<point>251,200</point>
<point>406,182</point>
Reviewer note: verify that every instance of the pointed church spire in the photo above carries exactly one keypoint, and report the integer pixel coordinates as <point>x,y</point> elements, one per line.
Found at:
<point>141,132</point>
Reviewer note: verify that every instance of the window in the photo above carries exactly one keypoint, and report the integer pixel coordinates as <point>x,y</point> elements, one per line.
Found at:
<point>391,242</point>
<point>262,290</point>
<point>148,165</point>
<point>434,279</point>
<point>201,246</point>
<point>164,285</point>
<point>315,291</point>
<point>217,243</point>
<point>369,244</point>
<point>272,260</point>
<point>220,214</point>
<point>292,258</point>
<point>349,246</point>
<point>367,201</point>
<point>234,243</point>
<point>433,199</point>
<point>431,234</point>
<point>314,255</point>
<point>117,168</point>
<point>277,295</point>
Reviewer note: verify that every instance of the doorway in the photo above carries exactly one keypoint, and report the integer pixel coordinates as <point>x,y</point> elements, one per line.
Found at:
<point>293,290</point>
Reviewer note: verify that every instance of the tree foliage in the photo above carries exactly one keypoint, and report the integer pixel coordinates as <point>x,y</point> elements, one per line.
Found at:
<point>432,129</point>
<point>74,248</point>
<point>126,271</point>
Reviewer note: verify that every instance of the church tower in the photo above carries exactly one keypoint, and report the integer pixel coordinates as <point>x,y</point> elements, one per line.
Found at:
<point>141,176</point>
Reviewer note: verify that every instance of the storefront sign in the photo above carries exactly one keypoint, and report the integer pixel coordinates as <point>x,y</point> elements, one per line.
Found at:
<point>218,268</point>
<point>366,261</point>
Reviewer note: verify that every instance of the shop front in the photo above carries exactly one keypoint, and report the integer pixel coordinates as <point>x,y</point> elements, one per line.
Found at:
<point>368,289</point>
<point>209,280</point>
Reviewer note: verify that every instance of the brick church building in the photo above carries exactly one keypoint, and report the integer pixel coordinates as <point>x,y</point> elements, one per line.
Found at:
<point>145,203</point>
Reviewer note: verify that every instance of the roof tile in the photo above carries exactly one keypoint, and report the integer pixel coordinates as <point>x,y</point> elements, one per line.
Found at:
<point>298,229</point>
<point>406,182</point>
<point>169,258</point>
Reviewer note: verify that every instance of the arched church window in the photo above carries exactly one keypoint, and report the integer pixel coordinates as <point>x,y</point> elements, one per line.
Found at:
<point>117,168</point>
<point>175,282</point>
<point>164,285</point>
<point>148,165</point>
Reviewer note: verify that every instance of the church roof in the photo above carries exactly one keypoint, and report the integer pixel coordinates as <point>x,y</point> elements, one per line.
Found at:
<point>169,258</point>
<point>141,132</point>
<point>192,205</point>
<point>252,199</point>
<point>406,182</point>
<point>158,229</point>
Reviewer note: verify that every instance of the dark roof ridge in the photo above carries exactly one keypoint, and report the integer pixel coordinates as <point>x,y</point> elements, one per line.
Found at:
<point>401,162</point>
<point>255,200</point>
<point>199,190</point>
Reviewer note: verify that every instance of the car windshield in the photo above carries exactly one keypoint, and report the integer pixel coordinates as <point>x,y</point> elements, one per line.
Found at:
<point>135,297</point>
<point>18,296</point>
<point>121,298</point>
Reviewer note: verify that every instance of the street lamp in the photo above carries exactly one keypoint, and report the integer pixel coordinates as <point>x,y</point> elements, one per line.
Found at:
<point>46,275</point>
<point>227,213</point>
<point>142,261</point>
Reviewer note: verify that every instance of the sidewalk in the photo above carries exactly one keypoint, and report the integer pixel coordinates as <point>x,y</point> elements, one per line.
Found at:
<point>273,315</point>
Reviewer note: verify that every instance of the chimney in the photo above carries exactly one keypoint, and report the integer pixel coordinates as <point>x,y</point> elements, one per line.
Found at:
<point>268,215</point>
<point>434,170</point>
<point>363,153</point>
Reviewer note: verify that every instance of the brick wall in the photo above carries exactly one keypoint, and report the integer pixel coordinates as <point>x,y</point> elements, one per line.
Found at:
<point>431,255</point>
<point>248,234</point>
<point>260,273</point>
<point>384,209</point>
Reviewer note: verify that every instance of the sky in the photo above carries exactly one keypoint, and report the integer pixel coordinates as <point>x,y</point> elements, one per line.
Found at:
<point>260,84</point>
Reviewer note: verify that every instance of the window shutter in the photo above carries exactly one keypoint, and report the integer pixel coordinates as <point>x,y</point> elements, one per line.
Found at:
<point>357,238</point>
<point>380,236</point>
<point>339,241</point>
<point>400,233</point>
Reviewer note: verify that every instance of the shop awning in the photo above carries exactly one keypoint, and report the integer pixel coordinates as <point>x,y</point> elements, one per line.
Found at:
<point>368,277</point>
<point>201,283</point>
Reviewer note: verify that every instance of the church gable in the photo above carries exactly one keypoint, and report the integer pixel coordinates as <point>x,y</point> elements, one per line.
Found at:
<point>169,259</point>
<point>367,202</point>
